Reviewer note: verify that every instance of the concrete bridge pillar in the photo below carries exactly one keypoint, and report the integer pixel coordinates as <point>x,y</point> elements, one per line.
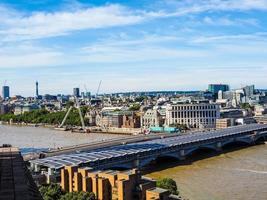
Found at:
<point>219,146</point>
<point>136,163</point>
<point>182,154</point>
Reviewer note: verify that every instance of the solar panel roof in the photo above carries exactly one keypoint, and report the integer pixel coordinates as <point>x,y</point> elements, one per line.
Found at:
<point>135,148</point>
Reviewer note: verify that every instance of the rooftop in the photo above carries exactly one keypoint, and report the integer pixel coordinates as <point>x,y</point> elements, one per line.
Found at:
<point>94,156</point>
<point>15,179</point>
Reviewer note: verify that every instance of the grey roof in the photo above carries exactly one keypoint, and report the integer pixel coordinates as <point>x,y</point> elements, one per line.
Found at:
<point>57,162</point>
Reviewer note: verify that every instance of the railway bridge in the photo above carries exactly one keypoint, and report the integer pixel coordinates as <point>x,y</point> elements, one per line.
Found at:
<point>140,154</point>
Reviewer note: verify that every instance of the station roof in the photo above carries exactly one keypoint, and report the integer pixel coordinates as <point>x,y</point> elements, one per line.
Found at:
<point>75,159</point>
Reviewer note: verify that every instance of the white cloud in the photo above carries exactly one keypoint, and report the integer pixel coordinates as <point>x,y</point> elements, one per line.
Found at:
<point>193,6</point>
<point>27,55</point>
<point>260,36</point>
<point>148,48</point>
<point>15,25</point>
<point>227,21</point>
<point>42,24</point>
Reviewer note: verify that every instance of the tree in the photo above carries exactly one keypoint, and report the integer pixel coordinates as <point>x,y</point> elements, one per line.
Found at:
<point>140,99</point>
<point>54,192</point>
<point>78,196</point>
<point>44,116</point>
<point>245,106</point>
<point>69,104</point>
<point>134,107</point>
<point>168,184</point>
<point>51,192</point>
<point>179,126</point>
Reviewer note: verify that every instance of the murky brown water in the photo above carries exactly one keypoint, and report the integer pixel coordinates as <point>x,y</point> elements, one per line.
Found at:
<point>236,175</point>
<point>38,137</point>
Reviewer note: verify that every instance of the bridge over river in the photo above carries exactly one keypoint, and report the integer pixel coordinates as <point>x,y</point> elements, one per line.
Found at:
<point>141,153</point>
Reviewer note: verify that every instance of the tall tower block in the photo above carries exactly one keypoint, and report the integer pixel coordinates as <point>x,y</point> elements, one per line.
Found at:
<point>37,89</point>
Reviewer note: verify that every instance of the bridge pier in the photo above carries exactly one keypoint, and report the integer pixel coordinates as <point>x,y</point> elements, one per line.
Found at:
<point>218,146</point>
<point>182,155</point>
<point>136,163</point>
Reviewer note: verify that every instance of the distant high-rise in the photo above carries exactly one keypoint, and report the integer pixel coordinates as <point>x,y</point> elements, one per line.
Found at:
<point>249,90</point>
<point>215,88</point>
<point>88,94</point>
<point>5,92</point>
<point>76,92</point>
<point>37,89</point>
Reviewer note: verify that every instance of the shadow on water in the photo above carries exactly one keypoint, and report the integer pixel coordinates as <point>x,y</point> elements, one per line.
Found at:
<point>166,162</point>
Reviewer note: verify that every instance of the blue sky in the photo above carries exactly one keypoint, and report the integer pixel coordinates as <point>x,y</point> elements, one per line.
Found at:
<point>132,45</point>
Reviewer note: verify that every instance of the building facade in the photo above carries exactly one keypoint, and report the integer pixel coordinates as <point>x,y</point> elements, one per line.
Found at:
<point>5,92</point>
<point>106,185</point>
<point>152,118</point>
<point>193,115</point>
<point>20,109</point>
<point>76,92</point>
<point>224,123</point>
<point>131,120</point>
<point>215,88</point>
<point>4,108</point>
<point>119,119</point>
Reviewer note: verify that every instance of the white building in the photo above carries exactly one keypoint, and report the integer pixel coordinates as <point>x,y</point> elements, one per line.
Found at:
<point>194,115</point>
<point>152,118</point>
<point>20,109</point>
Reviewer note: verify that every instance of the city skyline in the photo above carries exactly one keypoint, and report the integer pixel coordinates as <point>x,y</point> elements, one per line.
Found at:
<point>159,45</point>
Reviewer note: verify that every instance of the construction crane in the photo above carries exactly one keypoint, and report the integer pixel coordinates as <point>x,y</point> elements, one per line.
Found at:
<point>98,88</point>
<point>85,88</point>
<point>77,106</point>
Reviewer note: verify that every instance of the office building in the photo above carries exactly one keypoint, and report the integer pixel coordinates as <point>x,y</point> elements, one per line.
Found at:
<point>4,108</point>
<point>157,193</point>
<point>131,120</point>
<point>109,184</point>
<point>224,123</point>
<point>249,90</point>
<point>152,118</point>
<point>215,88</point>
<point>21,109</point>
<point>119,119</point>
<point>76,92</point>
<point>88,94</point>
<point>5,92</point>
<point>193,115</point>
<point>82,95</point>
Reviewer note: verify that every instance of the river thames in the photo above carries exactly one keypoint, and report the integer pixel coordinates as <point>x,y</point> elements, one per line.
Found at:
<point>234,175</point>
<point>38,137</point>
<point>239,174</point>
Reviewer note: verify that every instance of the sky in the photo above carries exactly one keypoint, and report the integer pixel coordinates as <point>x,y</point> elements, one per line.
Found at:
<point>131,45</point>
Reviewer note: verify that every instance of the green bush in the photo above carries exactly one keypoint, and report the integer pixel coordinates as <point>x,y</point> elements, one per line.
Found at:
<point>134,107</point>
<point>179,126</point>
<point>43,116</point>
<point>51,192</point>
<point>168,184</point>
<point>54,192</point>
<point>78,196</point>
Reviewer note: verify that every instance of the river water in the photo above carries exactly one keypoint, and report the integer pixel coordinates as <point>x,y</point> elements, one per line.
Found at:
<point>233,175</point>
<point>29,138</point>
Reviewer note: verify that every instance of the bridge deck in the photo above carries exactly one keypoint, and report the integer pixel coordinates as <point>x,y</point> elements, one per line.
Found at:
<point>57,162</point>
